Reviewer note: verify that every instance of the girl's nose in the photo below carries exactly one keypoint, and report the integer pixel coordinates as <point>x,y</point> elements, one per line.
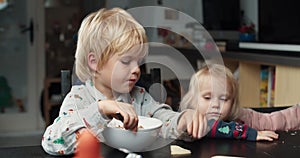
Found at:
<point>215,103</point>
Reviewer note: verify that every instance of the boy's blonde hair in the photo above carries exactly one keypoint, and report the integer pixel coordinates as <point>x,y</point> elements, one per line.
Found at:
<point>107,32</point>
<point>191,99</point>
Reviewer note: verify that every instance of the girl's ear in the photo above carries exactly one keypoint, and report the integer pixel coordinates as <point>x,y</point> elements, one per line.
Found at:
<point>92,61</point>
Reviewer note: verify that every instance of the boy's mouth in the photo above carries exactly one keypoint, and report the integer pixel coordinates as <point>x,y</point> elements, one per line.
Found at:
<point>132,80</point>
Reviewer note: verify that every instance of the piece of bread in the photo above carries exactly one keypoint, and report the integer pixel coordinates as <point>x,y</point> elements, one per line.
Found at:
<point>177,151</point>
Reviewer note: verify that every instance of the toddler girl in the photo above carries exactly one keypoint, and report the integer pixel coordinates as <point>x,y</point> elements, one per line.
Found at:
<point>214,91</point>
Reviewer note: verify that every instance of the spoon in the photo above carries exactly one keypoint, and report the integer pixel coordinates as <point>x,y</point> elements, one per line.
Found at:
<point>118,116</point>
<point>130,154</point>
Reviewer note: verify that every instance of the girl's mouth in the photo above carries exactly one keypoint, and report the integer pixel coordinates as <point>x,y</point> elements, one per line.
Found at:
<point>213,114</point>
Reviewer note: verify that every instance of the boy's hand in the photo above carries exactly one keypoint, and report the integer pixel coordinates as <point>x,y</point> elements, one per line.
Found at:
<point>110,108</point>
<point>194,123</point>
<point>266,135</point>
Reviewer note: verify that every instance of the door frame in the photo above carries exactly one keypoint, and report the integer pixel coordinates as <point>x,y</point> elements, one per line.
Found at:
<point>31,120</point>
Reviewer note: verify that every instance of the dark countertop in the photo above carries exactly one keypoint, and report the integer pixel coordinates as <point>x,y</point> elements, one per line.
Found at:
<point>259,56</point>
<point>263,57</point>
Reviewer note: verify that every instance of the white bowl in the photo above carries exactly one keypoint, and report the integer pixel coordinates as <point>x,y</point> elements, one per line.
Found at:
<point>120,138</point>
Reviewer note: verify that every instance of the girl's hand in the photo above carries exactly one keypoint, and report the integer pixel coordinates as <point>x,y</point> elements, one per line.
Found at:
<point>110,108</point>
<point>266,135</point>
<point>194,123</point>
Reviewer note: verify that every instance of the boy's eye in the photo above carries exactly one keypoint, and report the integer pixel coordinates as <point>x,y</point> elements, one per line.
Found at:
<point>140,62</point>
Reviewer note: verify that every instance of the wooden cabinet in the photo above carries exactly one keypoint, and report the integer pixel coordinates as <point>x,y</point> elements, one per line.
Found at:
<point>287,77</point>
<point>287,85</point>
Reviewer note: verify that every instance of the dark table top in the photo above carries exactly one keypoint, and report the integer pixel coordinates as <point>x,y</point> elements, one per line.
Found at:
<point>288,145</point>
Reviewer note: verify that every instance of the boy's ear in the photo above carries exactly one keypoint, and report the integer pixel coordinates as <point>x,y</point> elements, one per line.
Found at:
<point>92,61</point>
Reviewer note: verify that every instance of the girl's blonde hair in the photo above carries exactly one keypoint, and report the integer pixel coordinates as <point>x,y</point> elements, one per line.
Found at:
<point>107,32</point>
<point>191,99</point>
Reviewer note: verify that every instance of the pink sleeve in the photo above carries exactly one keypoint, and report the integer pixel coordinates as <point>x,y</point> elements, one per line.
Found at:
<point>287,119</point>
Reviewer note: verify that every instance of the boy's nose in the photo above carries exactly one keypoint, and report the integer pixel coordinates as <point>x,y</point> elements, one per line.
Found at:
<point>135,69</point>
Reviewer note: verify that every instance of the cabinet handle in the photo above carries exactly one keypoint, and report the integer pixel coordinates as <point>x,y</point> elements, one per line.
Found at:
<point>30,28</point>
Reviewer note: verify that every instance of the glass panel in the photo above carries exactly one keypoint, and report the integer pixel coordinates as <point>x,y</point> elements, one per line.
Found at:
<point>13,57</point>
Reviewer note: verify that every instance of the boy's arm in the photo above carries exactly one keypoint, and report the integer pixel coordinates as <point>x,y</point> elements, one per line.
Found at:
<point>164,112</point>
<point>60,138</point>
<point>221,129</point>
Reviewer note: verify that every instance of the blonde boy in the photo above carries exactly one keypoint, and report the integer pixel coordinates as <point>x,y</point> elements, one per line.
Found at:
<point>111,46</point>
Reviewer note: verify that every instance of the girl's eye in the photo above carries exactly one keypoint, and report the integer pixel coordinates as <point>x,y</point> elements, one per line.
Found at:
<point>223,98</point>
<point>206,97</point>
<point>125,62</point>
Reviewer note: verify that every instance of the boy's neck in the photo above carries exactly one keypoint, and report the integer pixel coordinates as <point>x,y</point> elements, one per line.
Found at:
<point>107,92</point>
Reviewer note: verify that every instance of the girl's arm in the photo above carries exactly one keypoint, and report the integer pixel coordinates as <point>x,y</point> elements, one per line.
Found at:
<point>287,119</point>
